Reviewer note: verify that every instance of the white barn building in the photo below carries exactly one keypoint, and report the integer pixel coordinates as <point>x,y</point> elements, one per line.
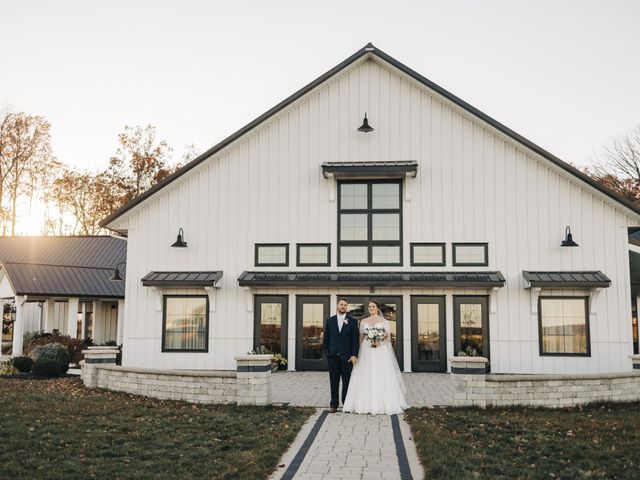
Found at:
<point>450,219</point>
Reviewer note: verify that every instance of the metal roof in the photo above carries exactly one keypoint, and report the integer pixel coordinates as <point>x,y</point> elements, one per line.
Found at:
<point>576,279</point>
<point>369,49</point>
<point>65,266</point>
<point>62,281</point>
<point>370,169</point>
<point>371,279</point>
<point>89,251</point>
<point>181,279</point>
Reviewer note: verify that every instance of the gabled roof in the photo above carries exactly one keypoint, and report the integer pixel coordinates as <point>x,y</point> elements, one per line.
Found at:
<point>369,49</point>
<point>371,279</point>
<point>63,266</point>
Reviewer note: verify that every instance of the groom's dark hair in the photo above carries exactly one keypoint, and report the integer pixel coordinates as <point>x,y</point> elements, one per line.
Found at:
<point>342,299</point>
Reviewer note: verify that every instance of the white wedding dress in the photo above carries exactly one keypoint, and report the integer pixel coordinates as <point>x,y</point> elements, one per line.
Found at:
<point>376,386</point>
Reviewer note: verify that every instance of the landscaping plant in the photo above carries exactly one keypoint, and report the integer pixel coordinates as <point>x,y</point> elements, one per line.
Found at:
<point>47,367</point>
<point>23,363</point>
<point>51,351</point>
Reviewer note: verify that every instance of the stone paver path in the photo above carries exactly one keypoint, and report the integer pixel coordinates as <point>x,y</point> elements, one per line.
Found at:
<point>311,389</point>
<point>350,446</point>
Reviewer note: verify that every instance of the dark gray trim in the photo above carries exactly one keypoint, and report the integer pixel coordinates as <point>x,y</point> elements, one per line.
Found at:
<point>181,279</point>
<point>254,368</point>
<point>470,244</point>
<point>427,244</point>
<point>101,360</point>
<point>369,212</point>
<point>636,366</point>
<point>482,300</point>
<point>326,264</point>
<point>566,279</point>
<point>401,453</point>
<point>291,471</point>
<point>587,326</point>
<point>468,371</point>
<point>309,364</point>
<point>283,300</point>
<point>370,170</point>
<point>369,49</point>
<point>286,255</point>
<point>371,279</point>
<point>429,365</point>
<point>164,325</point>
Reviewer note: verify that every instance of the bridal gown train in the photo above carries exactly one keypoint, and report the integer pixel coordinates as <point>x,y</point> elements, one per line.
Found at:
<point>376,386</point>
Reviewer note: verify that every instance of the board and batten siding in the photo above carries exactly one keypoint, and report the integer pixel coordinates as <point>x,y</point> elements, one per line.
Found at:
<point>473,184</point>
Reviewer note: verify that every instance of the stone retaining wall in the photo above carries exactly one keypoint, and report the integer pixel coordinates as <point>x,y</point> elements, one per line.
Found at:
<point>543,390</point>
<point>249,385</point>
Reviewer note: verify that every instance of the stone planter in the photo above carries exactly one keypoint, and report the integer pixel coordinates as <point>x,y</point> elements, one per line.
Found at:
<point>469,365</point>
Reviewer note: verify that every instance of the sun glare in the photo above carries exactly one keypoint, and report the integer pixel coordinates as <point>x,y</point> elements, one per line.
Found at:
<point>31,222</point>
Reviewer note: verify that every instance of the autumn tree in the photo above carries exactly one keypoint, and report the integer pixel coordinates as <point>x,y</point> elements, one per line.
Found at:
<point>140,162</point>
<point>25,152</point>
<point>618,166</point>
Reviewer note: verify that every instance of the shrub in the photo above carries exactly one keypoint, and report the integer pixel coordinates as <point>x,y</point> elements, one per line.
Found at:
<point>47,367</point>
<point>23,363</point>
<point>52,351</point>
<point>73,345</point>
<point>28,337</point>
<point>7,368</point>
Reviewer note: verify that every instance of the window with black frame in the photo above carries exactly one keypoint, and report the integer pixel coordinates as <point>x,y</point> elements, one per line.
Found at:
<point>185,323</point>
<point>370,223</point>
<point>564,326</point>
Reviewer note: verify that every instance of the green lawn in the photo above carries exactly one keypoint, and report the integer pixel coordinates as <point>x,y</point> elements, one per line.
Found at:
<point>594,442</point>
<point>59,429</point>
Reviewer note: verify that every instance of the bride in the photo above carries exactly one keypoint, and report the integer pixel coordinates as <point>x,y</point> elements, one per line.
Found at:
<point>376,384</point>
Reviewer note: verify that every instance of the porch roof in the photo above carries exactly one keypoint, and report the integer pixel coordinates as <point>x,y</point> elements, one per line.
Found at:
<point>390,169</point>
<point>566,279</point>
<point>371,279</point>
<point>62,280</point>
<point>182,279</point>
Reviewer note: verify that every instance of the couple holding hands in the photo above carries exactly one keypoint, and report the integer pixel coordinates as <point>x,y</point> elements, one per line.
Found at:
<point>363,358</point>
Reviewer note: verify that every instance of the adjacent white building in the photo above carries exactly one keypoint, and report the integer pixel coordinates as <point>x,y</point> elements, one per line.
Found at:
<point>450,219</point>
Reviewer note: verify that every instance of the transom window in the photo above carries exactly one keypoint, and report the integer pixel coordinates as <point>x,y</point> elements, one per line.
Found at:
<point>272,254</point>
<point>470,254</point>
<point>313,254</point>
<point>185,324</point>
<point>370,223</point>
<point>564,326</point>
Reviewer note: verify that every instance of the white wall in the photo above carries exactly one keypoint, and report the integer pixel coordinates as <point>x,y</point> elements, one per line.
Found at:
<point>473,184</point>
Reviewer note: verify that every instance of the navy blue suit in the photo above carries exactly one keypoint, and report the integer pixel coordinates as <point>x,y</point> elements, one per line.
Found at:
<point>338,347</point>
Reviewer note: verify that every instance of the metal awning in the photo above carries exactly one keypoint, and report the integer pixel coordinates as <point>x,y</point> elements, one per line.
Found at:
<point>396,169</point>
<point>576,279</point>
<point>371,279</point>
<point>181,279</point>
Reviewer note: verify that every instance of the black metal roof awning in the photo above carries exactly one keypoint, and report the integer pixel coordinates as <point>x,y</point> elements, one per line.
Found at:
<point>371,279</point>
<point>396,169</point>
<point>181,279</point>
<point>576,279</point>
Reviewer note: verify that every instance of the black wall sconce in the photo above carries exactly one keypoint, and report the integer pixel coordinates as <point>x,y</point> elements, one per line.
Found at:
<point>116,277</point>
<point>568,239</point>
<point>365,128</point>
<point>180,243</point>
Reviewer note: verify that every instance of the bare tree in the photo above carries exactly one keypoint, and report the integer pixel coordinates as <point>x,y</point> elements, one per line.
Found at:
<point>618,166</point>
<point>25,151</point>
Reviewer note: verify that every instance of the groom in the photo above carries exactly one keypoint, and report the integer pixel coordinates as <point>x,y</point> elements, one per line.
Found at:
<point>340,346</point>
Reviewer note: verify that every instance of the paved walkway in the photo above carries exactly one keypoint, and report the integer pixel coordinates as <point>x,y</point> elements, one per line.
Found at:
<point>348,446</point>
<point>311,389</point>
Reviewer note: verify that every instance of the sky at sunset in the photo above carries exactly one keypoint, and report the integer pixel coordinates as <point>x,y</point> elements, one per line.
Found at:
<point>563,74</point>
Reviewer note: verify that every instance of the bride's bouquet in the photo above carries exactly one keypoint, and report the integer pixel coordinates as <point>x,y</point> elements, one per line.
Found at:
<point>375,335</point>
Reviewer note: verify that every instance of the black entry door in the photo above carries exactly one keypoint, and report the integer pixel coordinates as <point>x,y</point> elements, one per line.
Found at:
<point>392,311</point>
<point>311,312</point>
<point>471,325</point>
<point>270,323</point>
<point>428,347</point>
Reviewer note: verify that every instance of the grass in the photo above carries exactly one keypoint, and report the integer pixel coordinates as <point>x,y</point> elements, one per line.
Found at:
<point>592,442</point>
<point>59,429</point>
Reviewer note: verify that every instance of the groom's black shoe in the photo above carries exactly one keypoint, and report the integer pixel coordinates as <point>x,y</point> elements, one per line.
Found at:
<point>333,410</point>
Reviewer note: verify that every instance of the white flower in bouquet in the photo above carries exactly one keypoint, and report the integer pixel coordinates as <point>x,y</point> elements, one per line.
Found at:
<point>375,335</point>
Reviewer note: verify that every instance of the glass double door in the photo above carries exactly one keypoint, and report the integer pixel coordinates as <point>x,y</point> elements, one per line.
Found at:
<point>429,345</point>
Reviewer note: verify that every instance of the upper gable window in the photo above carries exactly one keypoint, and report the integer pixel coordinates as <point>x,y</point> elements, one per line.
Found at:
<point>370,223</point>
<point>272,254</point>
<point>470,254</point>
